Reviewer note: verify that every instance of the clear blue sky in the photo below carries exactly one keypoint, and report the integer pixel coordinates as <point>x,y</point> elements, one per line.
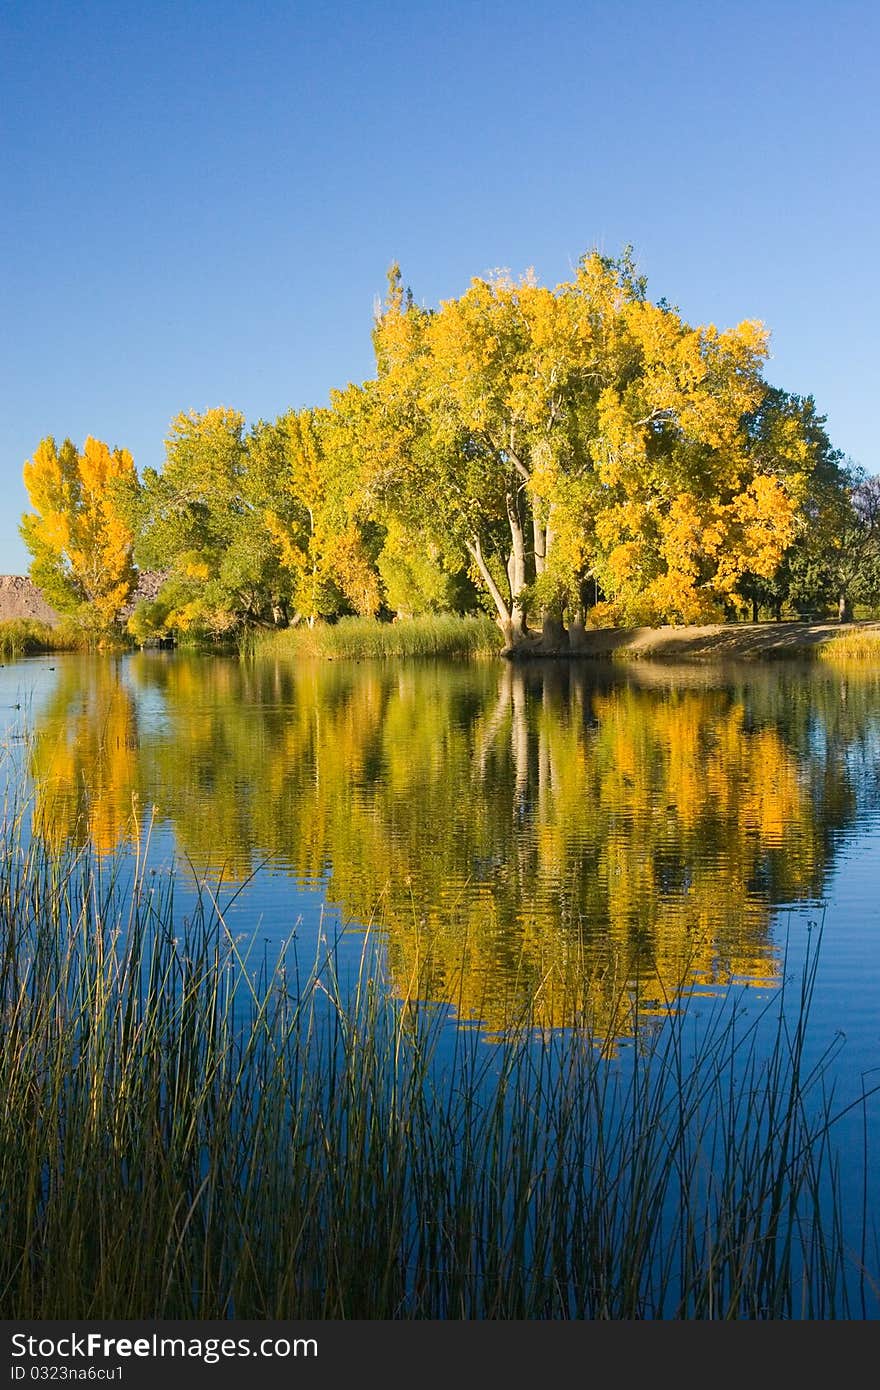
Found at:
<point>200,200</point>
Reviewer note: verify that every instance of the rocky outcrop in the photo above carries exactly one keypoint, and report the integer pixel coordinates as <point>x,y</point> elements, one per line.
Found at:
<point>20,598</point>
<point>149,582</point>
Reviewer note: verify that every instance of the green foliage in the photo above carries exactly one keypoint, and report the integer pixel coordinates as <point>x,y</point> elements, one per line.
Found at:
<point>418,578</point>
<point>151,620</point>
<point>199,522</point>
<point>803,581</point>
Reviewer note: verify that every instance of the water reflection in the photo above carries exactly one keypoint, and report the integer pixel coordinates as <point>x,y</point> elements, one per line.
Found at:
<point>532,841</point>
<point>85,758</point>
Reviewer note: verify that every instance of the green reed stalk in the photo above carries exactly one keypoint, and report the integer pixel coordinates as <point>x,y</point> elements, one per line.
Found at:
<point>190,1132</point>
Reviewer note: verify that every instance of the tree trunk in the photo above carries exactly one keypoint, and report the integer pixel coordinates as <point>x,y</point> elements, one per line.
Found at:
<point>844,610</point>
<point>549,533</point>
<point>505,615</point>
<point>540,536</point>
<point>553,634</point>
<point>516,569</point>
<point>554,637</point>
<point>754,610</point>
<point>577,630</point>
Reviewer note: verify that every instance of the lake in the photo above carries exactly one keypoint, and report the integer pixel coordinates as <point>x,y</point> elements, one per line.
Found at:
<point>529,839</point>
<point>558,843</point>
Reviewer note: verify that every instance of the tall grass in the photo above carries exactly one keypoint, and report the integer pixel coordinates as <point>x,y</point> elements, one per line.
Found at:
<point>28,636</point>
<point>434,634</point>
<point>851,646</point>
<point>188,1134</point>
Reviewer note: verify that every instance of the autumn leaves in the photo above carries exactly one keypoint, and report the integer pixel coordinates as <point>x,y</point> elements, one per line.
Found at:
<point>562,456</point>
<point>80,542</point>
<point>584,434</point>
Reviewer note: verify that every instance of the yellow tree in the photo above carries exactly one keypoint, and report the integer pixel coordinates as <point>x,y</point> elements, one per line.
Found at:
<point>315,509</point>
<point>687,505</point>
<point>584,432</point>
<point>468,400</point>
<point>80,543</point>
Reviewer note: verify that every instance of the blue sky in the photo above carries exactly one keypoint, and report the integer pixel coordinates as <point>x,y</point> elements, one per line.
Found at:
<point>200,201</point>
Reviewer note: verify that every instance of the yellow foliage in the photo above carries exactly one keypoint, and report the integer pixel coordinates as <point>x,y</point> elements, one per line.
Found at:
<point>82,546</point>
<point>193,566</point>
<point>220,423</point>
<point>615,425</point>
<point>603,614</point>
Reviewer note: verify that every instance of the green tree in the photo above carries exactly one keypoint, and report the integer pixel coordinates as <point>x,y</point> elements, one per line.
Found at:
<point>197,521</point>
<point>418,576</point>
<point>779,430</point>
<point>853,556</point>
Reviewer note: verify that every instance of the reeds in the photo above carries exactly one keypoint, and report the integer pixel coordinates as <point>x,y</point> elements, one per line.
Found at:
<point>851,646</point>
<point>188,1133</point>
<point>358,639</point>
<point>28,636</point>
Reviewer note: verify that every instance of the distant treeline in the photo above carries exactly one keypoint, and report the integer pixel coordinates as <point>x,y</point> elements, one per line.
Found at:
<point>558,458</point>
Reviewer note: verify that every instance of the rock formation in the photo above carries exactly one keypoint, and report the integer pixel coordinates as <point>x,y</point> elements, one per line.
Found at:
<point>20,598</point>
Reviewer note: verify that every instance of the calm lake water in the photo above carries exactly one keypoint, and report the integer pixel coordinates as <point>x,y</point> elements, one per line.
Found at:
<point>565,843</point>
<point>536,837</point>
<point>552,841</point>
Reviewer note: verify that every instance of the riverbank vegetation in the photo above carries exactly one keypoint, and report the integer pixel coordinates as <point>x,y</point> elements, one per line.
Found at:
<point>190,1132</point>
<point>559,458</point>
<point>358,639</point>
<point>851,646</point>
<point>29,637</point>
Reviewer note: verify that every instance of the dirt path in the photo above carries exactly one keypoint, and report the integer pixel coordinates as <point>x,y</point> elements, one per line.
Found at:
<point>715,641</point>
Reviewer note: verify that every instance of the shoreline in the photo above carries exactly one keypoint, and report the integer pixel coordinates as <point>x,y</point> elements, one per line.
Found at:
<point>709,642</point>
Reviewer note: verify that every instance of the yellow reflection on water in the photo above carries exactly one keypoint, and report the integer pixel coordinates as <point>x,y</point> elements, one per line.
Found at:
<point>533,843</point>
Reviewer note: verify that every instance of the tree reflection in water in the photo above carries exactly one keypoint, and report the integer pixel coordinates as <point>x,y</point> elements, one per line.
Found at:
<point>534,841</point>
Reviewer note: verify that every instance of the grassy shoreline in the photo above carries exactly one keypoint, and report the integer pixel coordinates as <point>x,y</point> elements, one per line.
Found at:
<point>360,639</point>
<point>186,1133</point>
<point>451,635</point>
<point>31,637</point>
<point>765,641</point>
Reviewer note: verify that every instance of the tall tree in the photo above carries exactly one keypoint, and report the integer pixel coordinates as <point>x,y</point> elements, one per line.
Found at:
<point>315,509</point>
<point>851,557</point>
<point>787,434</point>
<point>198,523</point>
<point>581,433</point>
<point>79,539</point>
